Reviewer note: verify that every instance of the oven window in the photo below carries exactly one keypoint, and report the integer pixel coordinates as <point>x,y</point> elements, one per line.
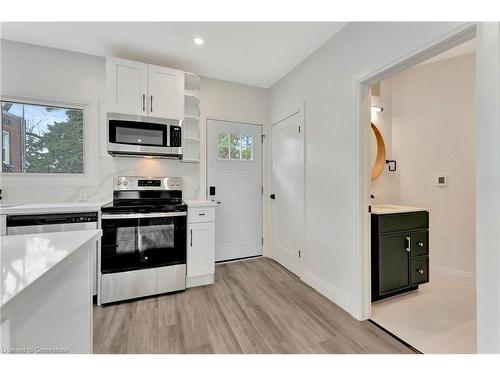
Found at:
<point>132,244</point>
<point>137,133</point>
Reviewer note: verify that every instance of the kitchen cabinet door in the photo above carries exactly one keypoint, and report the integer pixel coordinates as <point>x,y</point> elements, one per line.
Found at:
<point>201,249</point>
<point>394,259</point>
<point>165,92</point>
<point>127,88</point>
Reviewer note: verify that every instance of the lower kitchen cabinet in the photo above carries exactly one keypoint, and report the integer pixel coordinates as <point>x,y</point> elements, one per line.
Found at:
<point>200,245</point>
<point>400,253</point>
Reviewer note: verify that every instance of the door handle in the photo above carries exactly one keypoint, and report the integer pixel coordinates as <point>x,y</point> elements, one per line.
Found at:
<point>272,196</point>
<point>143,102</point>
<point>408,244</point>
<point>151,103</point>
<point>191,240</point>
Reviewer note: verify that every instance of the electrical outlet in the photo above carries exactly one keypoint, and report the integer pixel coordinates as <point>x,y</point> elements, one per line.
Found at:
<point>83,195</point>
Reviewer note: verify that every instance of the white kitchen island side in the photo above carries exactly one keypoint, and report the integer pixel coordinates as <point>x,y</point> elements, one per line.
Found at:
<point>46,292</point>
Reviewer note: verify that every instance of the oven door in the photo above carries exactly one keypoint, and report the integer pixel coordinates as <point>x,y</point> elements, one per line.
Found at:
<point>139,241</point>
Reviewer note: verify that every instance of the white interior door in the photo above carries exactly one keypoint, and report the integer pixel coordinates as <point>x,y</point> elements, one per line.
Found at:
<point>234,170</point>
<point>287,218</point>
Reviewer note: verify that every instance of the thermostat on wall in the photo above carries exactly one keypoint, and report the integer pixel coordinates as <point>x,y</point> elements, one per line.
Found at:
<point>441,180</point>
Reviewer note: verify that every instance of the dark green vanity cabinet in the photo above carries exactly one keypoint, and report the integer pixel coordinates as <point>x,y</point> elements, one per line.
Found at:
<point>400,252</point>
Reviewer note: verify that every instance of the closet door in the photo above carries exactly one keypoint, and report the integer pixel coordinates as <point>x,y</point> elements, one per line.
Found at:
<point>126,86</point>
<point>165,92</point>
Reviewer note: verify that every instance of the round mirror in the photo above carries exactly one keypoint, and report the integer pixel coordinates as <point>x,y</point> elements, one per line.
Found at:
<point>378,164</point>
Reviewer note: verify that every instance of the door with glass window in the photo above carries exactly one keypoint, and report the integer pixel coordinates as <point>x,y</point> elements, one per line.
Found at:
<point>234,181</point>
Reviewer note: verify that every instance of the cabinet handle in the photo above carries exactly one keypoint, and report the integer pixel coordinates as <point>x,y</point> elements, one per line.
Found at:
<point>191,241</point>
<point>201,214</point>
<point>408,244</point>
<point>421,244</point>
<point>143,102</point>
<point>151,103</point>
<point>420,272</point>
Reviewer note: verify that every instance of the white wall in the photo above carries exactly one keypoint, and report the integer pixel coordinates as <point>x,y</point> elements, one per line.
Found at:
<point>326,82</point>
<point>34,71</point>
<point>487,188</point>
<point>433,132</point>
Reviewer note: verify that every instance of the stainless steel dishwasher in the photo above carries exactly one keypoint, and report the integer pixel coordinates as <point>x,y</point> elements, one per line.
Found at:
<point>60,222</point>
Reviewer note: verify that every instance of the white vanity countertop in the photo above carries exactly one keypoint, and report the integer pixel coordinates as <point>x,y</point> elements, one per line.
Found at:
<point>200,203</point>
<point>24,259</point>
<point>42,208</point>
<point>381,209</point>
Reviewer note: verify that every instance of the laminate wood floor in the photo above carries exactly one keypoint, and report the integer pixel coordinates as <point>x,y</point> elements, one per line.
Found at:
<point>255,306</point>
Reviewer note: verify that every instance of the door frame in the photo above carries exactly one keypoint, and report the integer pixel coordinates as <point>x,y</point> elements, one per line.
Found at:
<point>299,109</point>
<point>207,187</point>
<point>362,266</point>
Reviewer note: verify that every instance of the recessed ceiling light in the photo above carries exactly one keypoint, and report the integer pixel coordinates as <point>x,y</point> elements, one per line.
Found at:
<point>198,41</point>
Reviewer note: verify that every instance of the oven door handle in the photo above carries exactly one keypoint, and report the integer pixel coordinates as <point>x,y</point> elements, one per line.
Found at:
<point>140,216</point>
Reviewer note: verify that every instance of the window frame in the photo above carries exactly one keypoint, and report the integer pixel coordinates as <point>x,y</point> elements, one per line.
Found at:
<point>229,147</point>
<point>6,135</point>
<point>78,105</point>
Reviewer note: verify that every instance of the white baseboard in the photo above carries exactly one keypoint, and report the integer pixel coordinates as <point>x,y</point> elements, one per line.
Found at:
<point>333,294</point>
<point>448,274</point>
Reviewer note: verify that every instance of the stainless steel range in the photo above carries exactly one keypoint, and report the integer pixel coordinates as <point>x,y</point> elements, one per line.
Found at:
<point>143,249</point>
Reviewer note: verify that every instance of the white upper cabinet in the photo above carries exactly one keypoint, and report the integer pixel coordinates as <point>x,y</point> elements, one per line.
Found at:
<point>146,90</point>
<point>166,92</point>
<point>127,86</point>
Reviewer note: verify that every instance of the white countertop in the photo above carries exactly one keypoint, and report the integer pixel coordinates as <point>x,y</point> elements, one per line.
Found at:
<point>200,203</point>
<point>26,258</point>
<point>42,208</point>
<point>382,209</point>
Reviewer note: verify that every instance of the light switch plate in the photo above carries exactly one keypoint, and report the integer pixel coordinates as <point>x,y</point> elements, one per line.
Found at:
<point>441,180</point>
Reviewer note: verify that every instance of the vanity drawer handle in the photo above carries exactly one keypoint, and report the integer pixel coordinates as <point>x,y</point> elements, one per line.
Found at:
<point>421,244</point>
<point>420,271</point>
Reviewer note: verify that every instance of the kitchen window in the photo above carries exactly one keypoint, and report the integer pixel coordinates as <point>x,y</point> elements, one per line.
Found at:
<point>235,146</point>
<point>42,138</point>
<point>6,147</point>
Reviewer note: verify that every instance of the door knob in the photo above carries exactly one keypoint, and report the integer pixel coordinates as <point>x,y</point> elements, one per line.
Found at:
<point>272,196</point>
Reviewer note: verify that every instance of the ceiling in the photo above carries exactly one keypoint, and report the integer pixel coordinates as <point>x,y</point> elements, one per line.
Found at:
<point>253,53</point>
<point>461,49</point>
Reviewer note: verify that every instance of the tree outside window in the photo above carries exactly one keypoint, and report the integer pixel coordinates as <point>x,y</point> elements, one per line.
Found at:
<point>43,139</point>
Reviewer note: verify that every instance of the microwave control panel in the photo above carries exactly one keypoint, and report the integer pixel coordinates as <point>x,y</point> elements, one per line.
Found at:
<point>175,136</point>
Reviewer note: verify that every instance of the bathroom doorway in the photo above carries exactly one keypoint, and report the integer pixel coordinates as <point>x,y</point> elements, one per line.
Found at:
<point>422,222</point>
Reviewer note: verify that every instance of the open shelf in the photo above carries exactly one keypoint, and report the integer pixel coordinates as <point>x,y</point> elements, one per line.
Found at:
<point>190,160</point>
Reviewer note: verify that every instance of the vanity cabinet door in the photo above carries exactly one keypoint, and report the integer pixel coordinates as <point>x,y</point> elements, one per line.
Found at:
<point>394,260</point>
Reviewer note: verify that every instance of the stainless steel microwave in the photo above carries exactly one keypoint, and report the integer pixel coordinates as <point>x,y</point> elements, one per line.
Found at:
<point>139,136</point>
